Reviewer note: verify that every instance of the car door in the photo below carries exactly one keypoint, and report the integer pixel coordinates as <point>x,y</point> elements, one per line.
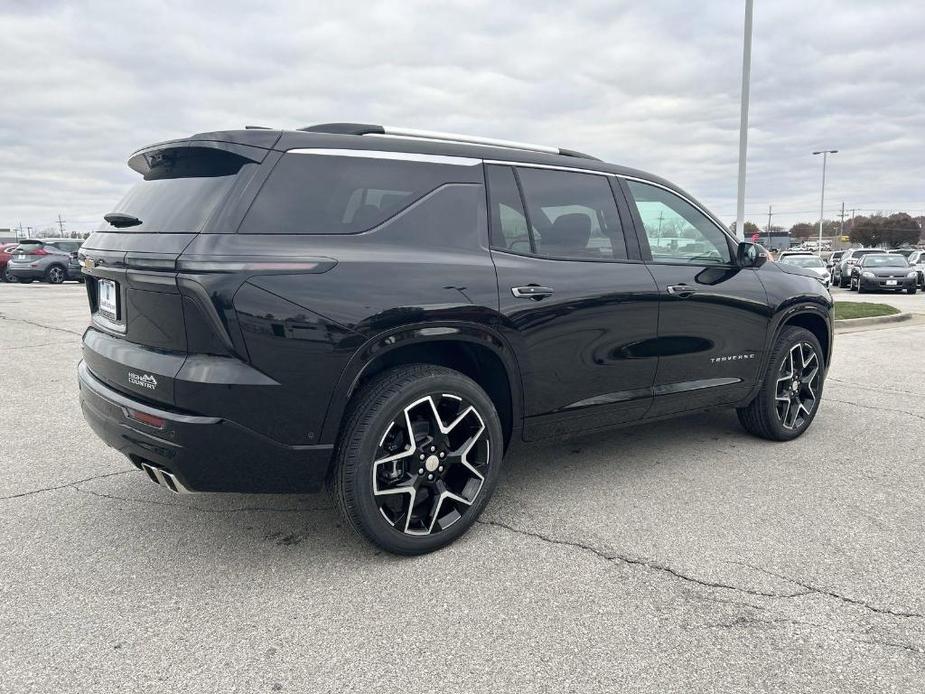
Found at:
<point>577,304</point>
<point>713,315</point>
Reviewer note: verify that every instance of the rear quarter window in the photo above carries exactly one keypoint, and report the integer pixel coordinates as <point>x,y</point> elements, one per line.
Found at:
<point>315,193</point>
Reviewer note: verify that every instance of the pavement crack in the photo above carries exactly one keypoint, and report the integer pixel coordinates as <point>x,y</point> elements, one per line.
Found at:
<point>891,644</point>
<point>646,563</point>
<point>880,409</point>
<point>63,486</point>
<point>191,507</point>
<point>40,325</point>
<point>839,596</point>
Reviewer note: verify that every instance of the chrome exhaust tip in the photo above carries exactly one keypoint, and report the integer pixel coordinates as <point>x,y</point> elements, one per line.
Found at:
<point>162,477</point>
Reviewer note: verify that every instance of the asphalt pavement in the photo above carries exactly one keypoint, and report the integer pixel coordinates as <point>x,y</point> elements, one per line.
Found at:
<point>679,556</point>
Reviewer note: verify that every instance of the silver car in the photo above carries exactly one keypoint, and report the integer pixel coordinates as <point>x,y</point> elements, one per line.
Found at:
<point>51,260</point>
<point>808,261</point>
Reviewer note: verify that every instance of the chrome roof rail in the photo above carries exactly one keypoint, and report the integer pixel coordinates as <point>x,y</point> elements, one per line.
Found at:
<point>434,135</point>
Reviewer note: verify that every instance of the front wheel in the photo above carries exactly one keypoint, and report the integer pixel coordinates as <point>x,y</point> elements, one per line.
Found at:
<point>418,459</point>
<point>789,397</point>
<point>912,290</point>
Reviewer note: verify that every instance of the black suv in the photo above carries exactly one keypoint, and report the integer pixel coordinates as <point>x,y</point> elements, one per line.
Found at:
<point>390,310</point>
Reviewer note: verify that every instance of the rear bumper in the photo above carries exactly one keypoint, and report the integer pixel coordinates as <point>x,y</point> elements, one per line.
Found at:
<point>202,453</point>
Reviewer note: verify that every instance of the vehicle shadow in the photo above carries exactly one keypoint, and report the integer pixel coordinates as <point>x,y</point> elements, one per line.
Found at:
<point>245,526</point>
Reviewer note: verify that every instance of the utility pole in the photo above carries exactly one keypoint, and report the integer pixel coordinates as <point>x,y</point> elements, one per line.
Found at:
<point>19,233</point>
<point>769,227</point>
<point>841,230</point>
<point>61,225</point>
<point>825,156</point>
<point>743,119</point>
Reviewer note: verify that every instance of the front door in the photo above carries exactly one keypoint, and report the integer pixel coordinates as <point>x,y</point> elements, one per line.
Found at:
<point>577,304</point>
<point>713,316</point>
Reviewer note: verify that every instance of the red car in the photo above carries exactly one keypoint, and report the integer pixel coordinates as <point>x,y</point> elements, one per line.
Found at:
<point>6,250</point>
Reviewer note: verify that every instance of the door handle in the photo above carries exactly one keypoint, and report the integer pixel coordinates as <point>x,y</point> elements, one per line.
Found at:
<point>532,291</point>
<point>681,291</point>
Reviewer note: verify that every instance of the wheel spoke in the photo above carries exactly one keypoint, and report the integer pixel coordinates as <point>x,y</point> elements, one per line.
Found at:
<point>438,468</point>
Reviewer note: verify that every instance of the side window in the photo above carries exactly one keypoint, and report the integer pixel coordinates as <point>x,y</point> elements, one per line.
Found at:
<point>508,223</point>
<point>677,231</point>
<point>572,215</point>
<point>338,194</point>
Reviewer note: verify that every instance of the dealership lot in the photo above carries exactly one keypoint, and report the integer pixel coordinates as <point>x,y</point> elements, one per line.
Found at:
<point>680,556</point>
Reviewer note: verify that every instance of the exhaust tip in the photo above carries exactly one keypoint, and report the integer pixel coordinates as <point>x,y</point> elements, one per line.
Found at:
<point>163,478</point>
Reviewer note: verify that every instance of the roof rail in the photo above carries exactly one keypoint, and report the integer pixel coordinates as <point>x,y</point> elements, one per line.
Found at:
<point>368,129</point>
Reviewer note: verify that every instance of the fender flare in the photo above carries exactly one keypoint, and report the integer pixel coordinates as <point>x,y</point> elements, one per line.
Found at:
<point>398,338</point>
<point>777,325</point>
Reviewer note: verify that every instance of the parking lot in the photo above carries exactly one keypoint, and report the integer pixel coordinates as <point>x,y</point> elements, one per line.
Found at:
<point>678,556</point>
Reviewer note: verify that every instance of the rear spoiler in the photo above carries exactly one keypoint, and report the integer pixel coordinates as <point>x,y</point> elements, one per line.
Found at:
<point>146,158</point>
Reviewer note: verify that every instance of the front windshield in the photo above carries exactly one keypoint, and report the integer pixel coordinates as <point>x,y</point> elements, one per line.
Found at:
<point>884,261</point>
<point>804,261</point>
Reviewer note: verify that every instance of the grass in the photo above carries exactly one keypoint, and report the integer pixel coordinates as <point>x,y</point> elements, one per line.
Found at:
<point>856,309</point>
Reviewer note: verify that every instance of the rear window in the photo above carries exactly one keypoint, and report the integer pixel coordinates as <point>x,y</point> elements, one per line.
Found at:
<point>69,246</point>
<point>29,247</point>
<point>180,191</point>
<point>315,193</point>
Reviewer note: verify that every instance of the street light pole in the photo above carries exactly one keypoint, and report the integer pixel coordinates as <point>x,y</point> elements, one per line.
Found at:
<point>743,119</point>
<point>825,155</point>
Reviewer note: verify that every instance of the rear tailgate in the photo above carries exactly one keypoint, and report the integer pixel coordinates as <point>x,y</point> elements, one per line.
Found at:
<point>143,315</point>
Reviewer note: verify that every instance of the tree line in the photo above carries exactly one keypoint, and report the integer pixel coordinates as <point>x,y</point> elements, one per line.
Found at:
<point>893,230</point>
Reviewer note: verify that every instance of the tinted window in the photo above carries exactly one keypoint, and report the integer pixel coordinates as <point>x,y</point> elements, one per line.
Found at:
<point>324,194</point>
<point>508,223</point>
<point>803,261</point>
<point>572,215</point>
<point>884,261</point>
<point>677,231</point>
<point>180,191</point>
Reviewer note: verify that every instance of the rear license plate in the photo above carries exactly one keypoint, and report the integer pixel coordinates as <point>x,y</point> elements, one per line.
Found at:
<point>891,283</point>
<point>107,298</point>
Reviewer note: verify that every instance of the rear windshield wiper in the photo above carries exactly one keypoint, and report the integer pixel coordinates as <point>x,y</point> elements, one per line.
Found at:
<point>120,220</point>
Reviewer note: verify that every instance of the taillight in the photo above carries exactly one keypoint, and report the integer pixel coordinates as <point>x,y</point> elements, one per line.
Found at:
<point>39,251</point>
<point>145,418</point>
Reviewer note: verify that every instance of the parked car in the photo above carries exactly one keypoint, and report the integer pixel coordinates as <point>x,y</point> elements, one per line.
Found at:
<point>808,261</point>
<point>842,271</point>
<point>883,272</point>
<point>905,252</point>
<point>833,260</point>
<point>51,260</point>
<point>917,263</point>
<point>6,250</point>
<point>793,252</point>
<point>391,310</point>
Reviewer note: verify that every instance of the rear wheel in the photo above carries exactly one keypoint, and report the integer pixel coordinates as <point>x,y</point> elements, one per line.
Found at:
<point>418,459</point>
<point>789,397</point>
<point>55,274</point>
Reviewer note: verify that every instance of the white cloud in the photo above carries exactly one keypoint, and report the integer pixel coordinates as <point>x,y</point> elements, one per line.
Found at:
<point>652,85</point>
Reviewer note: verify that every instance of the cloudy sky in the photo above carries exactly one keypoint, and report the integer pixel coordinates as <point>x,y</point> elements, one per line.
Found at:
<point>653,85</point>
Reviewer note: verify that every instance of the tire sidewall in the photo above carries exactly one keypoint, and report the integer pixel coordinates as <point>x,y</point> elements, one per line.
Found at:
<point>359,451</point>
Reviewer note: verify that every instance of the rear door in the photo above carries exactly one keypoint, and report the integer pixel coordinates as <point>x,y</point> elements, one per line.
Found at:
<point>577,304</point>
<point>713,315</point>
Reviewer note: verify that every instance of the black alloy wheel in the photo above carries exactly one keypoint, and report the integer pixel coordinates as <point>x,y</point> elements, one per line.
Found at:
<point>418,459</point>
<point>797,384</point>
<point>791,390</point>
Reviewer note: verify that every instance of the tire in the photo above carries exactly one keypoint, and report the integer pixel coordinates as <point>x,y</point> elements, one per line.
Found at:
<point>9,276</point>
<point>911,290</point>
<point>764,416</point>
<point>55,274</point>
<point>843,281</point>
<point>446,409</point>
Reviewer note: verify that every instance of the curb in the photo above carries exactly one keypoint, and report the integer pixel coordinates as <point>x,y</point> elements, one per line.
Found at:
<point>872,320</point>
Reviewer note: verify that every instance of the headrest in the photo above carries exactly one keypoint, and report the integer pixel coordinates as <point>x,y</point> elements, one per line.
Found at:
<point>570,232</point>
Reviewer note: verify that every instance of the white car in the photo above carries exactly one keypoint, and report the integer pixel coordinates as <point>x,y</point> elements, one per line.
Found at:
<point>808,261</point>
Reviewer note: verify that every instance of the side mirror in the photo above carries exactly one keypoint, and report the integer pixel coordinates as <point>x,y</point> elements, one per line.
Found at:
<point>751,255</point>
